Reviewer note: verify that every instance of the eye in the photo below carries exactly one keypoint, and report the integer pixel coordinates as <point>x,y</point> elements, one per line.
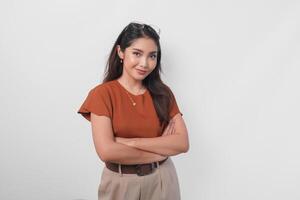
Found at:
<point>136,53</point>
<point>153,56</point>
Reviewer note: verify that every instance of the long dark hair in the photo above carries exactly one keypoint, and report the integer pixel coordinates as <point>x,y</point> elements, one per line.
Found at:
<point>160,92</point>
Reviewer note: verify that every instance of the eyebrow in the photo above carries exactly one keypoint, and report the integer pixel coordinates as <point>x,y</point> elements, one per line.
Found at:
<point>142,50</point>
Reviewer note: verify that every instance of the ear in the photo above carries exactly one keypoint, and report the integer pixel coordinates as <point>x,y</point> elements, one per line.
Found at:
<point>120,52</point>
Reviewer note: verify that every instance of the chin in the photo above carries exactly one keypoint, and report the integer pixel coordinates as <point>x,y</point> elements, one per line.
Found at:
<point>140,78</point>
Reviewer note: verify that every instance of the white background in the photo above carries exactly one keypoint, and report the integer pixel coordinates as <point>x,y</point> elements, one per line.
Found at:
<point>233,66</point>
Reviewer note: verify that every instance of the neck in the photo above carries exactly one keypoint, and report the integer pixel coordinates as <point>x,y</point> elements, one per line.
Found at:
<point>131,84</point>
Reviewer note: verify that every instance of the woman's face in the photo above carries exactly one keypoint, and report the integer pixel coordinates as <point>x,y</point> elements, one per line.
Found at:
<point>139,59</point>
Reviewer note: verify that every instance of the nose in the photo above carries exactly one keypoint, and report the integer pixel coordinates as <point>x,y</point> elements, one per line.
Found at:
<point>144,62</point>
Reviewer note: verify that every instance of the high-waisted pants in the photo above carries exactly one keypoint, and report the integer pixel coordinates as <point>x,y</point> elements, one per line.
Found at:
<point>161,184</point>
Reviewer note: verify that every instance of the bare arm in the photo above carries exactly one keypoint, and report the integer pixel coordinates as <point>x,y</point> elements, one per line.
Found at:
<point>168,144</point>
<point>123,154</point>
<point>109,150</point>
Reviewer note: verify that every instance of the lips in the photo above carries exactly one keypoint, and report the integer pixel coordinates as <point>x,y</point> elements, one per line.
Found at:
<point>141,71</point>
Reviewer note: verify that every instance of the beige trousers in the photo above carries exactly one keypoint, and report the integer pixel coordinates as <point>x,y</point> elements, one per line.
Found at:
<point>162,184</point>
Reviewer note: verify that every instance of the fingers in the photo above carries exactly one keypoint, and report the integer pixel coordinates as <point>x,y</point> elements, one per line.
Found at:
<point>169,131</point>
<point>172,131</point>
<point>166,130</point>
<point>170,128</point>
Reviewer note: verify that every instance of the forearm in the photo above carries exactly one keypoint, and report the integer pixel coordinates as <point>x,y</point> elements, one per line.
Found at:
<point>174,140</point>
<point>168,145</point>
<point>123,154</point>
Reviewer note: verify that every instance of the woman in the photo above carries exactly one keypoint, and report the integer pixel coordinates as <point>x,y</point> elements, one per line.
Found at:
<point>136,123</point>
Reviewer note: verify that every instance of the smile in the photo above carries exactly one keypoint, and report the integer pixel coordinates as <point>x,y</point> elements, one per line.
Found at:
<point>141,71</point>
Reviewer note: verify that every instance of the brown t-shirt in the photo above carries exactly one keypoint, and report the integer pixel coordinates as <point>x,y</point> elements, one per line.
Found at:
<point>110,99</point>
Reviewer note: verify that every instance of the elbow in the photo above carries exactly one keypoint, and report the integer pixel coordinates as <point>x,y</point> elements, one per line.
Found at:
<point>104,154</point>
<point>185,148</point>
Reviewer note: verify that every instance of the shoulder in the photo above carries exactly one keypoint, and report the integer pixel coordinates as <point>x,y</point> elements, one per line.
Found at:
<point>103,88</point>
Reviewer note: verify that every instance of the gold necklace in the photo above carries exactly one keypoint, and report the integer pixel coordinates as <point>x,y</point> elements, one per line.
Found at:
<point>132,101</point>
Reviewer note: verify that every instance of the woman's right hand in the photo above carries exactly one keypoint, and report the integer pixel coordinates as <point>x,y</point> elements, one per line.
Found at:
<point>169,130</point>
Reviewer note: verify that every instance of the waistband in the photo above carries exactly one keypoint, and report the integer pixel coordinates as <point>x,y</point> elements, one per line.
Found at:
<point>139,169</point>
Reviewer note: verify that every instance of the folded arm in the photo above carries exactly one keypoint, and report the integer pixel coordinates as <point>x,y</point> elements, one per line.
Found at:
<point>109,150</point>
<point>173,141</point>
<point>123,154</point>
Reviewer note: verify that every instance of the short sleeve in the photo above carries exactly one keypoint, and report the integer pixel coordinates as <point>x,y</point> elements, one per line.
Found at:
<point>174,107</point>
<point>98,102</point>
